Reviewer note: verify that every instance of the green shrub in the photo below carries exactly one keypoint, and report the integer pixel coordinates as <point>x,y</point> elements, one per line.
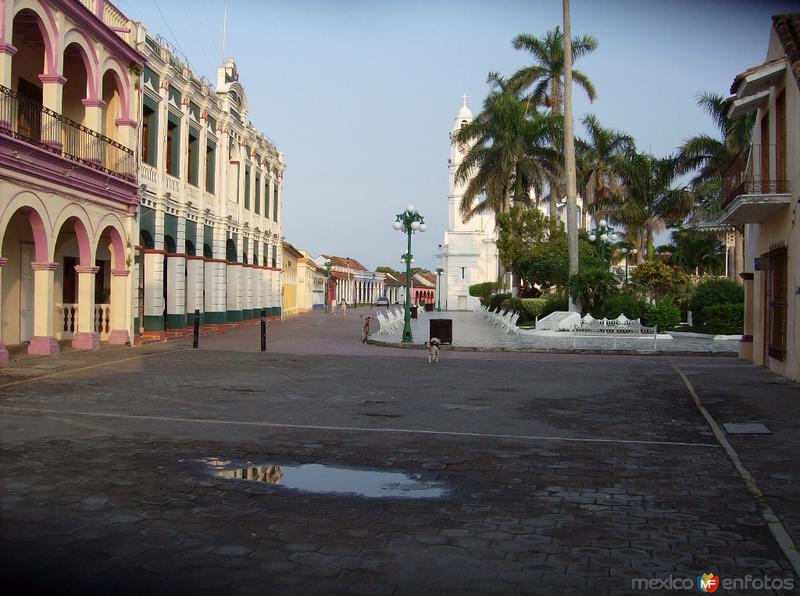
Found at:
<point>664,315</point>
<point>528,308</point>
<point>615,305</point>
<point>483,290</point>
<point>723,319</point>
<point>711,293</point>
<point>591,287</point>
<point>553,303</point>
<point>496,300</point>
<point>659,279</point>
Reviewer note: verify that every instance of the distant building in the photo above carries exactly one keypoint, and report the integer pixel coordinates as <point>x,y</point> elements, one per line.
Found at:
<point>210,223</point>
<point>293,288</point>
<point>761,190</point>
<point>352,282</point>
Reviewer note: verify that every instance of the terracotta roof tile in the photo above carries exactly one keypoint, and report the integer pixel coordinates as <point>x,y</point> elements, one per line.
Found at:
<point>343,262</point>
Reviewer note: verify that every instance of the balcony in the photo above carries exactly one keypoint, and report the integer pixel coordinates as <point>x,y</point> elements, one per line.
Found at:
<point>37,125</point>
<point>746,195</point>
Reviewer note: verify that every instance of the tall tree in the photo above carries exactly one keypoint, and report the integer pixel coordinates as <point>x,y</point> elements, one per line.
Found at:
<point>510,154</point>
<point>708,157</point>
<point>596,155</point>
<point>544,81</point>
<point>648,202</point>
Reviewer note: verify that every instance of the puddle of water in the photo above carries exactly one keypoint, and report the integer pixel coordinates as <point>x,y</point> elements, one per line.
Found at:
<point>317,478</point>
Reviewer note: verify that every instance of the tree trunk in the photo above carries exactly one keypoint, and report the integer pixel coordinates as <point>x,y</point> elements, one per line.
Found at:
<point>569,154</point>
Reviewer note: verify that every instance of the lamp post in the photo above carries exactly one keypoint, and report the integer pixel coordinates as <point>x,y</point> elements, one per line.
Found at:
<point>408,222</point>
<point>439,272</point>
<point>328,266</point>
<point>604,234</point>
<point>628,251</point>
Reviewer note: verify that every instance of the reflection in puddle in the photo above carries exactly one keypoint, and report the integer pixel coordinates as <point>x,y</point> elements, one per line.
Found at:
<point>316,478</point>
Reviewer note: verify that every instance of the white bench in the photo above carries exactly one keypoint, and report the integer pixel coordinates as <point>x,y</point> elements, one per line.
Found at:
<point>621,326</point>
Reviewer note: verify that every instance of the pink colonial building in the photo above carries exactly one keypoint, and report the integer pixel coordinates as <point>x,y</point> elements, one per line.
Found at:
<point>69,108</point>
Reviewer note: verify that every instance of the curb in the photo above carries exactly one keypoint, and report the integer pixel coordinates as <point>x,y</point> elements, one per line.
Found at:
<point>389,344</point>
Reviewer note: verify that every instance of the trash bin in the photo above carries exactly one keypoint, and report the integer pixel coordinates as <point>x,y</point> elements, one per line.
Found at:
<point>413,310</point>
<point>429,307</point>
<point>442,329</point>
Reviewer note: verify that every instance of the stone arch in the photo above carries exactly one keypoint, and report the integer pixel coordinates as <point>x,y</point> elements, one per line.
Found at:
<point>112,65</point>
<point>88,53</point>
<point>116,234</point>
<point>47,27</point>
<point>83,232</point>
<point>38,218</point>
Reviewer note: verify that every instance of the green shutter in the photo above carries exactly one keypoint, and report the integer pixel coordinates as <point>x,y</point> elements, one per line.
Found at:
<point>211,166</point>
<point>258,194</point>
<point>246,187</point>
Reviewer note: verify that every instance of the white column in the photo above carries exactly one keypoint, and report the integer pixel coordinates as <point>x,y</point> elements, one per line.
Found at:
<point>43,340</point>
<point>119,307</point>
<point>3,350</point>
<point>86,338</point>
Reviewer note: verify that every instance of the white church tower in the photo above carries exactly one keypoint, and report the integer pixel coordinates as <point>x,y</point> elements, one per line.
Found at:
<point>469,253</point>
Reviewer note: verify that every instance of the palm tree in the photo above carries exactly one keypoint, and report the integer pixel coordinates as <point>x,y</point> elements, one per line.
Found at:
<point>544,79</point>
<point>510,157</point>
<point>648,202</point>
<point>596,156</point>
<point>709,157</point>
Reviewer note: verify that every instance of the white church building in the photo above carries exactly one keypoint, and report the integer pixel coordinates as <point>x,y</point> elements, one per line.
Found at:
<point>469,253</point>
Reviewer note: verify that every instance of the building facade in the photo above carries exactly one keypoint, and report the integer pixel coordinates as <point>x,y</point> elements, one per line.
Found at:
<point>760,191</point>
<point>209,236</point>
<point>352,282</point>
<point>68,196</point>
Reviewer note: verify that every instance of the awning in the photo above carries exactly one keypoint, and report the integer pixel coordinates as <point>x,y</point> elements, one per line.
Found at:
<point>750,103</point>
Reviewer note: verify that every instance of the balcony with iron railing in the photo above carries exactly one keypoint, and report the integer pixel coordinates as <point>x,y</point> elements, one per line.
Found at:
<point>755,184</point>
<point>33,123</point>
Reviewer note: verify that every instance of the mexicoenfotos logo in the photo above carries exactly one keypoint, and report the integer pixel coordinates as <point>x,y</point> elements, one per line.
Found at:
<point>708,582</point>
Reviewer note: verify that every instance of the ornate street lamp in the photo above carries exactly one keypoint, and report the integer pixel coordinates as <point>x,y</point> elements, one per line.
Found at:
<point>604,234</point>
<point>628,251</point>
<point>408,222</point>
<point>439,272</point>
<point>328,266</point>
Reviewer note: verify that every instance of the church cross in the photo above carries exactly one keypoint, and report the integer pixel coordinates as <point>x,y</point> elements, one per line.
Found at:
<point>464,97</point>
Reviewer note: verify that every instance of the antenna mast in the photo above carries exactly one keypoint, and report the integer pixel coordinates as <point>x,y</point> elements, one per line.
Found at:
<point>224,30</point>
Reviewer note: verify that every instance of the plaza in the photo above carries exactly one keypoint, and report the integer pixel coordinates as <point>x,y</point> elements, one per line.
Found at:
<point>564,474</point>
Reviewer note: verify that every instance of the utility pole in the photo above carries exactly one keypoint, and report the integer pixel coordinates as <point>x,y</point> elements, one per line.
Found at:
<point>569,154</point>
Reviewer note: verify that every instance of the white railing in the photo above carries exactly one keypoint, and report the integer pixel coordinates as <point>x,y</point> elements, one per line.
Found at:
<point>172,183</point>
<point>149,175</point>
<point>67,320</point>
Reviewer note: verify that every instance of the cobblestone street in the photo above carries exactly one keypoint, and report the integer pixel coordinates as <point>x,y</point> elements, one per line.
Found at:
<point>565,474</point>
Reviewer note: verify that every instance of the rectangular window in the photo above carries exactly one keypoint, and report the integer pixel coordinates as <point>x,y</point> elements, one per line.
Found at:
<point>258,194</point>
<point>777,290</point>
<point>275,204</point>
<point>211,165</point>
<point>764,161</point>
<point>780,143</point>
<point>463,273</point>
<point>149,135</point>
<point>274,256</point>
<point>194,155</point>
<point>173,146</point>
<point>246,187</point>
<point>266,197</point>
<point>265,255</point>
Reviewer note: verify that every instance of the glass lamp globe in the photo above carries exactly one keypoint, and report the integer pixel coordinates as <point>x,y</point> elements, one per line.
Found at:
<point>410,209</point>
<point>604,237</point>
<point>396,225</point>
<point>422,227</point>
<point>613,236</point>
<point>635,251</point>
<point>415,225</point>
<point>592,237</point>
<point>602,223</point>
<point>624,250</point>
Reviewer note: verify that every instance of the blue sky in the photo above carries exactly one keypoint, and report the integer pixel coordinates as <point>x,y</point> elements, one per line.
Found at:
<point>360,94</point>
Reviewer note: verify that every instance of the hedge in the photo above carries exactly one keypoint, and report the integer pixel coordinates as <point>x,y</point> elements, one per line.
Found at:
<point>483,290</point>
<point>711,293</point>
<point>723,319</point>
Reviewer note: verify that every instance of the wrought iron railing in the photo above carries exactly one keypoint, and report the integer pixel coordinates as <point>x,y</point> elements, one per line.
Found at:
<point>29,121</point>
<point>749,173</point>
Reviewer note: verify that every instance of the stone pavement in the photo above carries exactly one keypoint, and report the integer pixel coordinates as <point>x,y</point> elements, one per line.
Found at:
<point>566,474</point>
<point>472,331</point>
